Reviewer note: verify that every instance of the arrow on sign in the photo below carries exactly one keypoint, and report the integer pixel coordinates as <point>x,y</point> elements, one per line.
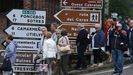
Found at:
<point>79,16</point>
<point>82,3</point>
<point>3,44</point>
<point>24,31</point>
<point>27,16</point>
<point>65,2</point>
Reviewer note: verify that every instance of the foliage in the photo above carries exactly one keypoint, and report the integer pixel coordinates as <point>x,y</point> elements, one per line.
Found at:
<point>122,7</point>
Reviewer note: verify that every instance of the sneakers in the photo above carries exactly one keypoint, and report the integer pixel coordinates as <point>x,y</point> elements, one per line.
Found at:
<point>116,73</point>
<point>97,65</point>
<point>100,64</point>
<point>13,74</point>
<point>94,65</point>
<point>131,65</point>
<point>80,68</point>
<point>120,74</point>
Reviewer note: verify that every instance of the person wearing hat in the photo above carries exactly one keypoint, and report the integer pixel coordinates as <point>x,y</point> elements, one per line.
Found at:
<point>118,39</point>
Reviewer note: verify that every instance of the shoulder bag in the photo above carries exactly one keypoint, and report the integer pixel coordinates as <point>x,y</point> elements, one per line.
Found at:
<point>6,65</point>
<point>64,48</point>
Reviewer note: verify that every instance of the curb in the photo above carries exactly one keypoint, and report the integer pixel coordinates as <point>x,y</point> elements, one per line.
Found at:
<point>106,66</point>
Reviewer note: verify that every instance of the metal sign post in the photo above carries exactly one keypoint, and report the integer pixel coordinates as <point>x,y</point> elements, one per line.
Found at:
<point>26,29</point>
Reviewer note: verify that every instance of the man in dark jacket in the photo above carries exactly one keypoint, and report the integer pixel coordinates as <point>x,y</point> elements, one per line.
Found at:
<point>118,42</point>
<point>130,40</point>
<point>81,43</point>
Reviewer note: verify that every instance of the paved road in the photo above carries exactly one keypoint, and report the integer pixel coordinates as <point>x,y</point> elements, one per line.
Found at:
<point>128,70</point>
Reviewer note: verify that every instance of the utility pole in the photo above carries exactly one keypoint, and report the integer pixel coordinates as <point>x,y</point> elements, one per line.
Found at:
<point>107,7</point>
<point>103,14</point>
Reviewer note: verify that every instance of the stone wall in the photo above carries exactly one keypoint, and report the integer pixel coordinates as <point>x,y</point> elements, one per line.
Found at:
<point>27,4</point>
<point>3,25</point>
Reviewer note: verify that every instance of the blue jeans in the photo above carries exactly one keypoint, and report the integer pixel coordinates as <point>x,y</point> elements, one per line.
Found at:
<point>131,54</point>
<point>118,60</point>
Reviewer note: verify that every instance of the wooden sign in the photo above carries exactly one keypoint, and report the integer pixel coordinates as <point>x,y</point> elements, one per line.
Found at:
<point>79,16</point>
<point>82,3</point>
<point>73,29</point>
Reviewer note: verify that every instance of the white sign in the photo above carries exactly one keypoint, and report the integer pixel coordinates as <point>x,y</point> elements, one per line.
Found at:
<point>28,44</point>
<point>24,68</point>
<point>114,15</point>
<point>27,16</point>
<point>24,61</point>
<point>25,31</point>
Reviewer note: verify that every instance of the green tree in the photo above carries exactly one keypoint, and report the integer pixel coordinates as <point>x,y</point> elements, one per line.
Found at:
<point>122,7</point>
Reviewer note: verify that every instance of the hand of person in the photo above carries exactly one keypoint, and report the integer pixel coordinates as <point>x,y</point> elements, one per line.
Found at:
<point>92,33</point>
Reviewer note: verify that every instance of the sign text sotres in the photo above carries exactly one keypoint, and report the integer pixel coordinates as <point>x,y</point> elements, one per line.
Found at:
<point>27,16</point>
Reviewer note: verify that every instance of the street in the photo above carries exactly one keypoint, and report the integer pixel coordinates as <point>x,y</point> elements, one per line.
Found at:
<point>128,70</point>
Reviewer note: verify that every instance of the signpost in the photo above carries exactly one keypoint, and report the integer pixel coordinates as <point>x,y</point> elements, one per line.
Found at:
<point>27,16</point>
<point>82,3</point>
<point>25,31</point>
<point>77,11</point>
<point>79,16</point>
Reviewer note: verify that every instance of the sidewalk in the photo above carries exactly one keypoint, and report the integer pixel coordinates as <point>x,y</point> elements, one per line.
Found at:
<point>106,66</point>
